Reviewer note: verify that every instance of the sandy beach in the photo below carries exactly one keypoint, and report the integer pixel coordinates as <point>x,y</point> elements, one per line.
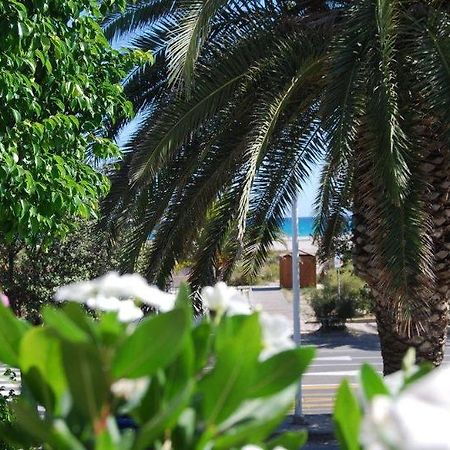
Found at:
<point>305,244</point>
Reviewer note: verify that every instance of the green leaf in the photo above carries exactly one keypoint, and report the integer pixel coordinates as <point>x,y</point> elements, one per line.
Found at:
<point>228,383</point>
<point>280,371</point>
<point>29,427</point>
<point>42,351</point>
<point>12,331</point>
<point>78,316</point>
<point>424,369</point>
<point>153,345</point>
<point>63,437</point>
<point>37,390</point>
<point>347,418</point>
<point>290,439</point>
<point>371,382</point>
<point>201,337</point>
<point>27,418</point>
<point>152,401</point>
<point>63,325</point>
<point>109,438</point>
<point>111,330</point>
<point>180,371</point>
<point>183,300</point>
<point>16,114</point>
<point>255,420</point>
<point>164,419</point>
<point>86,378</point>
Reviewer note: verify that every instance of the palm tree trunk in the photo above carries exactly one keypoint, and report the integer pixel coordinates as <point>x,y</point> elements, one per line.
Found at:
<point>429,337</point>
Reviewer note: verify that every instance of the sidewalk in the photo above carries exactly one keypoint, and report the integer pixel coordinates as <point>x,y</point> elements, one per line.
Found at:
<point>274,300</point>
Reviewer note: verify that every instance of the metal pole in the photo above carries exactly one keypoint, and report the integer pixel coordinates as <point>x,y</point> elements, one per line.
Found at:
<point>339,283</point>
<point>298,413</point>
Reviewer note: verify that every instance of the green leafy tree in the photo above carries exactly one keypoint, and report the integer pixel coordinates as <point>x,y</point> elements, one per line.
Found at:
<point>245,95</point>
<point>39,271</point>
<point>59,83</point>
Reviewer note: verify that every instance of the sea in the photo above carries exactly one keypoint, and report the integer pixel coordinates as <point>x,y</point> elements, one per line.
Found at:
<point>304,226</point>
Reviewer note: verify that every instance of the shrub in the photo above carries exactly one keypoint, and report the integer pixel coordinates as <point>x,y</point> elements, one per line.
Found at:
<point>334,304</point>
<point>5,419</point>
<point>6,416</point>
<point>222,382</point>
<point>332,309</point>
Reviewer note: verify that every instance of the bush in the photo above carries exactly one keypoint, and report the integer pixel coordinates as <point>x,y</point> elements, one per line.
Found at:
<point>166,382</point>
<point>6,416</point>
<point>331,307</point>
<point>5,419</point>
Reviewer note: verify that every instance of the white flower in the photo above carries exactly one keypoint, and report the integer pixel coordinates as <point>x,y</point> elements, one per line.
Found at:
<point>104,292</point>
<point>416,419</point>
<point>433,388</point>
<point>276,334</point>
<point>129,389</point>
<point>102,303</point>
<point>129,312</point>
<point>378,430</point>
<point>224,299</point>
<point>134,286</point>
<point>76,292</point>
<point>155,297</point>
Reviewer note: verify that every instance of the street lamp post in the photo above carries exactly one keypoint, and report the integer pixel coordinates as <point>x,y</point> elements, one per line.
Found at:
<point>298,413</point>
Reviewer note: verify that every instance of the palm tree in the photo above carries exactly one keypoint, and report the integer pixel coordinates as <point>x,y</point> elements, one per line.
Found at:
<point>245,96</point>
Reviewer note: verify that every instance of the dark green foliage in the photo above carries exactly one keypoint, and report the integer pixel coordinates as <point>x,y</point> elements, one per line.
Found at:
<point>5,418</point>
<point>38,271</point>
<point>6,414</point>
<point>333,305</point>
<point>332,309</point>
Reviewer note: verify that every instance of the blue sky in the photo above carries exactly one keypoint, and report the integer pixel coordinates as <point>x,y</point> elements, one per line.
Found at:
<point>308,194</point>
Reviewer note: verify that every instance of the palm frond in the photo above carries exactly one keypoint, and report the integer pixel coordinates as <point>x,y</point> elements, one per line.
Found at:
<point>219,85</point>
<point>264,125</point>
<point>428,43</point>
<point>135,17</point>
<point>391,146</point>
<point>286,167</point>
<point>342,108</point>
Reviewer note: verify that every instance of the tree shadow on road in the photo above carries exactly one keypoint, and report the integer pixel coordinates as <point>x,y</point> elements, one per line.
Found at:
<point>342,338</point>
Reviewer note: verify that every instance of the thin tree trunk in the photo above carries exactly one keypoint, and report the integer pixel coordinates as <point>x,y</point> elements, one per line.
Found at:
<point>430,334</point>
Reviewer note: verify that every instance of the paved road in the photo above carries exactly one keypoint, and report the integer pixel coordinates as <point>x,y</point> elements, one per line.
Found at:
<point>339,356</point>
